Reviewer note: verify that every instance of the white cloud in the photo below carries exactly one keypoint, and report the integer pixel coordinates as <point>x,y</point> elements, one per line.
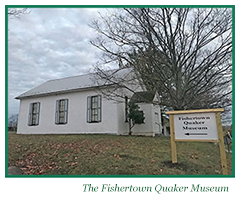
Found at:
<point>47,44</point>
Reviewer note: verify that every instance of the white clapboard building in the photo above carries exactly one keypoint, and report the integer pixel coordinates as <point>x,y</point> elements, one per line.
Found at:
<point>77,104</point>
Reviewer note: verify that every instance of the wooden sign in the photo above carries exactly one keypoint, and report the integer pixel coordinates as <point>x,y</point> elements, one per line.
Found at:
<point>195,126</point>
<point>200,126</point>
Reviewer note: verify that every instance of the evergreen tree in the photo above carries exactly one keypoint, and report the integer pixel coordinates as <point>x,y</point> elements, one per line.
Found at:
<point>135,116</point>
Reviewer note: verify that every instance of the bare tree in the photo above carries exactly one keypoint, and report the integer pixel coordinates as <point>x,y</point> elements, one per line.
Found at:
<point>183,53</point>
<point>17,12</point>
<point>12,122</point>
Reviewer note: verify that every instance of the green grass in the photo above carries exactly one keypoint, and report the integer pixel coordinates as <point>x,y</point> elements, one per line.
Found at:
<point>111,155</point>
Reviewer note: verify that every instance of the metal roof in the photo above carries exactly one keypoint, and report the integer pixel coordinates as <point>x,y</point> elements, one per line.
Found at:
<point>73,83</point>
<point>143,96</point>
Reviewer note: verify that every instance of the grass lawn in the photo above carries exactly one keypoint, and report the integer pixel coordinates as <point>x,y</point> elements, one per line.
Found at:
<point>111,155</point>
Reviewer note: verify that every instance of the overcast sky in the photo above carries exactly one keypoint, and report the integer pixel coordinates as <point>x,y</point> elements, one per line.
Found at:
<point>48,44</point>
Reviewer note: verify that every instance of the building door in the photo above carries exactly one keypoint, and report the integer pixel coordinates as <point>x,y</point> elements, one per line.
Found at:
<point>157,125</point>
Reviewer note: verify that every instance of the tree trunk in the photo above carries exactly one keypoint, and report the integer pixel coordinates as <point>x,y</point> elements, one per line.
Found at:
<point>130,126</point>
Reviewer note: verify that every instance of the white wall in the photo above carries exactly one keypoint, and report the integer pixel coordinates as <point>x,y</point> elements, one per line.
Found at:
<point>122,125</point>
<point>113,116</point>
<point>77,114</point>
<point>157,122</point>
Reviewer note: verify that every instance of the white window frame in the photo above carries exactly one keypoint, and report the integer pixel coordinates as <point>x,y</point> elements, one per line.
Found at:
<point>34,113</point>
<point>61,114</point>
<point>94,109</point>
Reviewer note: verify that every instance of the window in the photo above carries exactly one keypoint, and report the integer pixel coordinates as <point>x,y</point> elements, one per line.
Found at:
<point>61,111</point>
<point>34,111</point>
<point>94,108</point>
<point>126,109</point>
<point>142,114</point>
<point>156,117</point>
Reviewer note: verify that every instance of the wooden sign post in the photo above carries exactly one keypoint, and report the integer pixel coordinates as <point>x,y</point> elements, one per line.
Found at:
<point>197,126</point>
